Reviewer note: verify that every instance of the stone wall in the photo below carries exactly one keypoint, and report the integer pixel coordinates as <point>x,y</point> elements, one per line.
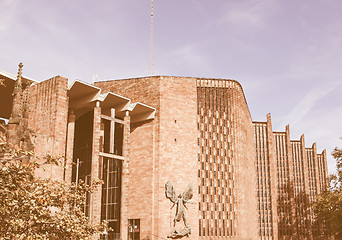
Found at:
<point>143,173</point>
<point>228,174</point>
<point>296,177</point>
<point>178,150</point>
<point>164,150</point>
<point>48,120</point>
<point>172,154</point>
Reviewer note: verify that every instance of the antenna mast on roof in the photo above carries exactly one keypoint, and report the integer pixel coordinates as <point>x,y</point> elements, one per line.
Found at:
<point>150,62</point>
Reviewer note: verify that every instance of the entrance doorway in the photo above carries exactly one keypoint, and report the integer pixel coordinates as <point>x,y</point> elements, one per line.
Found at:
<point>133,229</point>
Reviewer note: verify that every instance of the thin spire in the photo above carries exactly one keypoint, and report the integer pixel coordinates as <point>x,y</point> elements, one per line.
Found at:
<point>17,94</point>
<point>151,55</point>
<point>14,132</point>
<point>18,83</point>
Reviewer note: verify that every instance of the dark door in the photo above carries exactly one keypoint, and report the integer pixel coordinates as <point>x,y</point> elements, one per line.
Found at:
<point>133,229</point>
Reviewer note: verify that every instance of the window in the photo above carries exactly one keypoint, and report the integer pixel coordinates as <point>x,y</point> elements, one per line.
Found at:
<point>111,196</point>
<point>118,137</point>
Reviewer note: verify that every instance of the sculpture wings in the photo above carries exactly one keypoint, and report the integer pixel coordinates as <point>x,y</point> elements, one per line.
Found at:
<point>170,192</point>
<point>180,201</point>
<point>187,195</point>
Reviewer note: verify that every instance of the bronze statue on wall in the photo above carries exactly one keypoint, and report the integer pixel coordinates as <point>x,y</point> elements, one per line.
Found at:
<point>180,202</point>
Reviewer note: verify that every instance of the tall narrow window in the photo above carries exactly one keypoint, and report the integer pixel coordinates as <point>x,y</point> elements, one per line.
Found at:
<point>111,196</point>
<point>118,137</point>
<point>82,152</point>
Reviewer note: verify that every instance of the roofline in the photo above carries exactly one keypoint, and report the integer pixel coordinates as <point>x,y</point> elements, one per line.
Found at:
<point>195,78</point>
<point>259,122</point>
<point>161,76</point>
<point>114,94</point>
<point>82,82</point>
<point>152,108</point>
<point>133,105</point>
<point>13,77</point>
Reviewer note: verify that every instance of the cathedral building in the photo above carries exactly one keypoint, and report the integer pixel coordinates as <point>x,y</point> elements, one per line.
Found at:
<point>179,156</point>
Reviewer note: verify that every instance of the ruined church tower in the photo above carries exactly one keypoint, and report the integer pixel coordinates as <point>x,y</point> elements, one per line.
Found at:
<point>18,122</point>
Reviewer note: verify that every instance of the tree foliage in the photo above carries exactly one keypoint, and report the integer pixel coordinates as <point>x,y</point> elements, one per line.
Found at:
<point>35,208</point>
<point>328,206</point>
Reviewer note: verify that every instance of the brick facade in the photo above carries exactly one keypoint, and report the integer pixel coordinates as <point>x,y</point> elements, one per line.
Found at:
<point>296,181</point>
<point>48,120</point>
<point>177,157</point>
<point>165,150</point>
<point>225,138</point>
<point>248,181</point>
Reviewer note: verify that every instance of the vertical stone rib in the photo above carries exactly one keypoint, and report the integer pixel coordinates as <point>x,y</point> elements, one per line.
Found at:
<point>69,147</point>
<point>325,171</point>
<point>95,200</point>
<point>125,178</point>
<point>273,175</point>
<point>306,187</point>
<point>291,182</point>
<point>315,162</point>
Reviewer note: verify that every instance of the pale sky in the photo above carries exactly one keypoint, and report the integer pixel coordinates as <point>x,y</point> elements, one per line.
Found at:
<point>287,54</point>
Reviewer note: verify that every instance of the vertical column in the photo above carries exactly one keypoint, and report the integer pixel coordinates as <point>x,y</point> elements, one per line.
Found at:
<point>325,177</point>
<point>69,147</point>
<point>315,162</point>
<point>112,130</point>
<point>273,175</point>
<point>291,183</point>
<point>95,200</point>
<point>125,178</point>
<point>316,227</point>
<point>306,186</point>
<point>305,164</point>
<point>101,149</point>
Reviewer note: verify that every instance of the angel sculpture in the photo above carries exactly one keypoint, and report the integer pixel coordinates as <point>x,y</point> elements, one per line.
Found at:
<point>180,202</point>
